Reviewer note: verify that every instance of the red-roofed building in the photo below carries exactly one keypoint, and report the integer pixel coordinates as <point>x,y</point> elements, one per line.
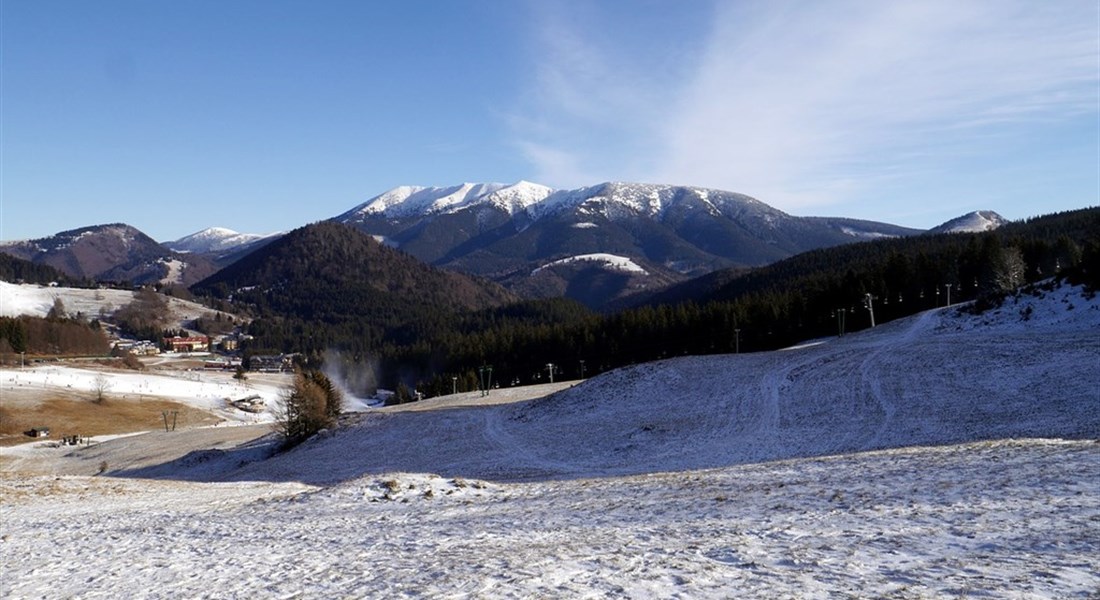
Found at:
<point>188,344</point>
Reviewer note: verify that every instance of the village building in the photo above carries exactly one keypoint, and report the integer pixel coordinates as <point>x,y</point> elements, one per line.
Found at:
<point>199,343</point>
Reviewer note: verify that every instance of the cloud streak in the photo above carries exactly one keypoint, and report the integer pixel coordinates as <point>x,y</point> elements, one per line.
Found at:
<point>806,103</point>
<point>595,94</point>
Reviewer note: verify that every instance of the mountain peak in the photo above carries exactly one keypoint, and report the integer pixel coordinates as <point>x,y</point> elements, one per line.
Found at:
<point>214,239</point>
<point>977,221</point>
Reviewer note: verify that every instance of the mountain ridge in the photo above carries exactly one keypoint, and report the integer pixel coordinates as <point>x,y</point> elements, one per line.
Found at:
<point>524,235</point>
<point>510,232</point>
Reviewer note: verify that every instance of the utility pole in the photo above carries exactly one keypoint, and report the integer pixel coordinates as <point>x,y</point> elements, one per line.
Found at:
<point>869,302</point>
<point>948,286</point>
<point>840,314</point>
<point>23,359</point>
<point>582,368</point>
<point>737,340</point>
<point>550,368</point>
<point>454,385</point>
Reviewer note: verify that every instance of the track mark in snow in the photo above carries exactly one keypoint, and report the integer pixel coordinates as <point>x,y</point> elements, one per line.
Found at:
<point>525,463</point>
<point>871,378</point>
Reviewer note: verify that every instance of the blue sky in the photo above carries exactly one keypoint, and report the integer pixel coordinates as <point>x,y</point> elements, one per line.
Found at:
<point>263,115</point>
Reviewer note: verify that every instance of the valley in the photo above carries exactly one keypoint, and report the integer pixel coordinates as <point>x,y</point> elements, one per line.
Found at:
<point>556,299</point>
<point>940,455</point>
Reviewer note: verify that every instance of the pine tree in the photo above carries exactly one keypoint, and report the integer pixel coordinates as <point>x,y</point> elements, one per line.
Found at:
<point>311,404</point>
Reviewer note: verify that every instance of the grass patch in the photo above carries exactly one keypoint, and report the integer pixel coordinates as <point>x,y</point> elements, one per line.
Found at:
<point>79,416</point>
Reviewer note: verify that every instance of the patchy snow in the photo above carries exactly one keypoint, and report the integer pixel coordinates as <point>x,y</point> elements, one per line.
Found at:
<point>175,271</point>
<point>584,225</point>
<point>918,459</point>
<point>610,261</point>
<point>865,234</point>
<point>207,390</point>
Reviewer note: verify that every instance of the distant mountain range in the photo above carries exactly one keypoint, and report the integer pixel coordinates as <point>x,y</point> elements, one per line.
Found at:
<point>113,252</point>
<point>523,235</point>
<point>594,244</point>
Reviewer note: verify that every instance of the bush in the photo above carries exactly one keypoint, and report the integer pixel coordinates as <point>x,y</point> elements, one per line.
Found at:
<point>132,362</point>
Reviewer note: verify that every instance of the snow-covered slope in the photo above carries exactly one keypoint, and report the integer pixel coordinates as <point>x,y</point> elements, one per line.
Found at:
<point>1006,520</point>
<point>406,201</point>
<point>214,240</point>
<point>37,300</point>
<point>609,261</point>
<point>596,491</point>
<point>937,378</point>
<point>978,221</point>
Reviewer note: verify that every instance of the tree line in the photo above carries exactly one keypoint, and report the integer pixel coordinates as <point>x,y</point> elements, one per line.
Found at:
<point>39,336</point>
<point>819,293</point>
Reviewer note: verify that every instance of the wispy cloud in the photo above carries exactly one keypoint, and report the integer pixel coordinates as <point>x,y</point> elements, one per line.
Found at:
<point>803,103</point>
<point>595,95</point>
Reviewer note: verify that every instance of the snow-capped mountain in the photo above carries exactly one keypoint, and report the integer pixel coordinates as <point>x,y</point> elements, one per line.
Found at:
<point>220,245</point>
<point>215,240</point>
<point>537,200</point>
<point>977,221</point>
<point>507,232</point>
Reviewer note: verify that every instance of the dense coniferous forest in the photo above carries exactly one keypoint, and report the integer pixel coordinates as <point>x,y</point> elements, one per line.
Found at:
<point>14,269</point>
<point>329,286</point>
<point>439,343</point>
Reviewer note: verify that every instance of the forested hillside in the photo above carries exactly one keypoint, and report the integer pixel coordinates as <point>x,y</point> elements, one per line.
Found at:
<point>437,347</point>
<point>18,270</point>
<point>327,286</point>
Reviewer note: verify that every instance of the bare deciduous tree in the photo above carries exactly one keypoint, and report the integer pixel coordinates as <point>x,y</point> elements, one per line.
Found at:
<point>100,386</point>
<point>1009,271</point>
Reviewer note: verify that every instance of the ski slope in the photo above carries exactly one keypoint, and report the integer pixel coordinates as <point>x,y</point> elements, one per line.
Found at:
<point>945,455</point>
<point>938,378</point>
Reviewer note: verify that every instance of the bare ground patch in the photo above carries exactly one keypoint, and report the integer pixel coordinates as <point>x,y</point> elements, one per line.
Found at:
<point>74,414</point>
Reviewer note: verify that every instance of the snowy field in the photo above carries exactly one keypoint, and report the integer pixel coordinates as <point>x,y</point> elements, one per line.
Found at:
<point>207,390</point>
<point>944,455</point>
<point>1001,519</point>
<point>37,300</point>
